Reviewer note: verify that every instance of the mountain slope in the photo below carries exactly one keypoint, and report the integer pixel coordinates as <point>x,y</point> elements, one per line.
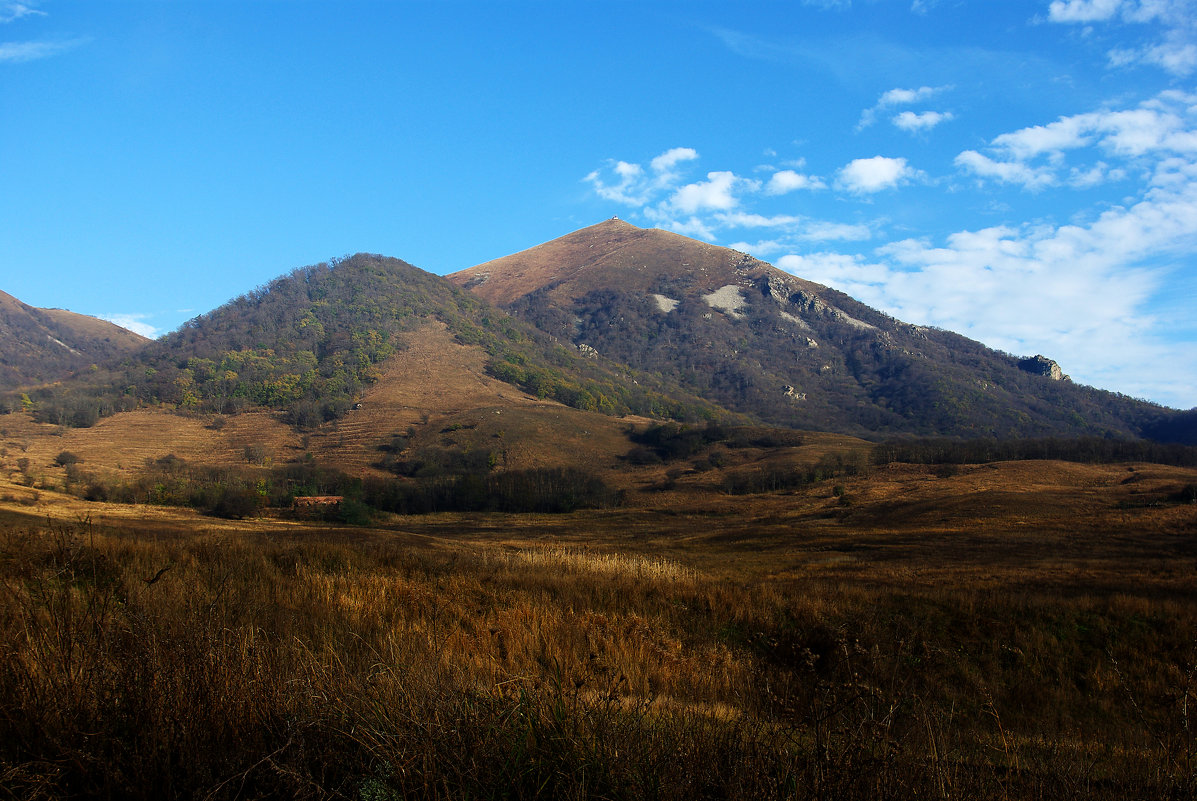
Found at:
<point>309,344</point>
<point>760,341</point>
<point>40,345</point>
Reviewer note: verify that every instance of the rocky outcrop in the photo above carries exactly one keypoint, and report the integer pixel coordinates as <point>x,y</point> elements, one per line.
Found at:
<point>1041,365</point>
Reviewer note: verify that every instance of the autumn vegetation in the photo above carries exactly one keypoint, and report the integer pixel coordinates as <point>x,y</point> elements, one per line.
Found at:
<point>894,632</point>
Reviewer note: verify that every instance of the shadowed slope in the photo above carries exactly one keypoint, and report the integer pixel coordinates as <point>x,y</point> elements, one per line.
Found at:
<point>39,345</point>
<point>757,340</point>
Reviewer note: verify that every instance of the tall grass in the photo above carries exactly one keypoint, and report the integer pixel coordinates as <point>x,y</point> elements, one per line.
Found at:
<point>216,666</point>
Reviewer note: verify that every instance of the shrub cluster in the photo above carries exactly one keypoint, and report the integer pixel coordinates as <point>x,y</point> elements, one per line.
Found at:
<point>1089,450</point>
<point>243,492</point>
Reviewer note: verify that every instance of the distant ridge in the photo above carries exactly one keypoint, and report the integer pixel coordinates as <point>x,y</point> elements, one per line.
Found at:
<point>40,345</point>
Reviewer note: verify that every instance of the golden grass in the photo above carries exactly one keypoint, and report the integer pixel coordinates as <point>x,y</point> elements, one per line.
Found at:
<point>329,662</point>
<point>1012,630</point>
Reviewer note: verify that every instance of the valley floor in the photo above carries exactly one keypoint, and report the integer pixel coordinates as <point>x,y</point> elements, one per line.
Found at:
<point>1015,630</point>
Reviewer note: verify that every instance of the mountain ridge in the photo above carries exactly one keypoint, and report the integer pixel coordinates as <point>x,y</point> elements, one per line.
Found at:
<point>610,318</point>
<point>40,345</point>
<point>758,340</point>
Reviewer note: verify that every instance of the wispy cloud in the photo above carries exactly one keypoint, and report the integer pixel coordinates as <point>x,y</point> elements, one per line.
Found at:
<point>10,11</point>
<point>1082,10</point>
<point>17,52</point>
<point>1174,49</point>
<point>133,322</point>
<point>34,50</point>
<point>899,97</point>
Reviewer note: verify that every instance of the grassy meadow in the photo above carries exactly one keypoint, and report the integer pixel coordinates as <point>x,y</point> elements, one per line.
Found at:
<point>1013,630</point>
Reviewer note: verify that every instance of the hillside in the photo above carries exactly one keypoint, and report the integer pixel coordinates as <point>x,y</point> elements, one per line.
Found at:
<point>757,340</point>
<point>40,345</point>
<point>311,343</point>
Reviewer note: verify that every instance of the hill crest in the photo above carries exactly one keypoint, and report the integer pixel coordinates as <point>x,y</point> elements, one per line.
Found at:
<point>41,345</point>
<point>617,254</point>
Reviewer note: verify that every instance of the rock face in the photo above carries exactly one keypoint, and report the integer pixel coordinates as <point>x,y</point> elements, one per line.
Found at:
<point>1041,365</point>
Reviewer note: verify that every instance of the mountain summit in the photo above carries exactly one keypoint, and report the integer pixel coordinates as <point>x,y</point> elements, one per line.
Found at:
<point>616,254</point>
<point>757,340</point>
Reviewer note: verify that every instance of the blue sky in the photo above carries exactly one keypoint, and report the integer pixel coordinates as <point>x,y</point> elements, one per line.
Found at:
<point>1023,172</point>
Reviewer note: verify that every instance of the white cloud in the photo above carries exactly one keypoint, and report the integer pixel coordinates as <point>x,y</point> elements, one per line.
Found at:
<point>1099,173</point>
<point>132,322</point>
<point>1035,157</point>
<point>897,97</point>
<point>925,121</point>
<point>673,156</point>
<point>865,176</point>
<point>1082,10</point>
<point>636,186</point>
<point>718,193</point>
<point>1175,57</point>
<point>1174,50</point>
<point>1010,172</point>
<point>17,52</point>
<point>786,181</point>
<point>902,97</point>
<point>1090,289</point>
<point>743,220</point>
<point>1076,292</point>
<point>629,190</point>
<point>822,231</point>
<point>10,12</point>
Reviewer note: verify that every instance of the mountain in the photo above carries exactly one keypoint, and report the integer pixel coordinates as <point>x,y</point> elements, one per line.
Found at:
<point>754,339</point>
<point>310,344</point>
<point>41,345</point>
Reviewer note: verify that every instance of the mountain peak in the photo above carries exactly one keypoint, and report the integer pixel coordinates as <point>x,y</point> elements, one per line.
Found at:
<point>614,253</point>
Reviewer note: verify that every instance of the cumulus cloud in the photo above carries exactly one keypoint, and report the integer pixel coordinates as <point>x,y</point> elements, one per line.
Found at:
<point>718,192</point>
<point>925,121</point>
<point>786,181</point>
<point>1035,157</point>
<point>866,176</point>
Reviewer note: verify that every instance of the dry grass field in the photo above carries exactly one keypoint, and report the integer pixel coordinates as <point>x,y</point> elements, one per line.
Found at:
<point>1010,630</point>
